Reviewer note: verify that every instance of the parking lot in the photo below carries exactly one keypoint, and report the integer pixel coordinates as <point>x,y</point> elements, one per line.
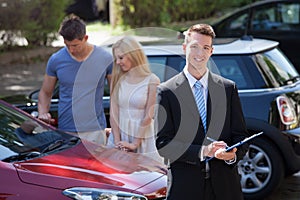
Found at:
<point>24,74</point>
<point>24,78</point>
<point>289,190</point>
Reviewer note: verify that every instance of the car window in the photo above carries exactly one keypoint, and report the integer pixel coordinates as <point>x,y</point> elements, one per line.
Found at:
<point>9,142</point>
<point>239,23</point>
<point>231,67</point>
<point>263,19</point>
<point>276,68</point>
<point>15,137</point>
<point>234,68</point>
<point>175,65</point>
<point>157,66</point>
<point>165,67</point>
<point>290,13</point>
<point>281,16</point>
<point>106,88</point>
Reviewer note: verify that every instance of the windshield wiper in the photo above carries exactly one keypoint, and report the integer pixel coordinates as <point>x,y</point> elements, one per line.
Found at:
<point>53,146</point>
<point>61,144</point>
<point>22,156</point>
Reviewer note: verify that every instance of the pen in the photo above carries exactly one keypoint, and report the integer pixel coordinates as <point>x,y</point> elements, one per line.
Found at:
<point>210,139</point>
<point>213,140</point>
<point>239,143</point>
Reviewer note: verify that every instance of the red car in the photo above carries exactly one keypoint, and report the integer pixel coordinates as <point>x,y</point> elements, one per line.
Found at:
<point>40,162</point>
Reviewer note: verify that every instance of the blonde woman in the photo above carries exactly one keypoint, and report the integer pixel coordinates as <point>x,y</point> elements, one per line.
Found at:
<point>133,95</point>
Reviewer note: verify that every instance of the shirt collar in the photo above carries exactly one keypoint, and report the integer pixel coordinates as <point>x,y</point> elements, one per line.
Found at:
<point>192,80</point>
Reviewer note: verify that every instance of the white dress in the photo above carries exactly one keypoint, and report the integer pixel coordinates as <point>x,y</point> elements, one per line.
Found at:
<point>132,104</point>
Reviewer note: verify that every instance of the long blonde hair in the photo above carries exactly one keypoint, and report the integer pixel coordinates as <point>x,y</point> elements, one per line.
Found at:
<point>133,49</point>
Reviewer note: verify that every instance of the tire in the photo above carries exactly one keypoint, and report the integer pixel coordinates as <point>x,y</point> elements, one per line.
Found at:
<point>261,170</point>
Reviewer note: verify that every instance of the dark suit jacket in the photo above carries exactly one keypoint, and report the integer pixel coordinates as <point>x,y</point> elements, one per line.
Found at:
<point>180,136</point>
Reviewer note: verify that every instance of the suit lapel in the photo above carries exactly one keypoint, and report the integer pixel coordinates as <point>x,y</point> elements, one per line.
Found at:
<point>216,106</point>
<point>185,93</point>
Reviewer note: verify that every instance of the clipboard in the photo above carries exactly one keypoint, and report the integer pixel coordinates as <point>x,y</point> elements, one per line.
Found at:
<point>243,141</point>
<point>239,143</point>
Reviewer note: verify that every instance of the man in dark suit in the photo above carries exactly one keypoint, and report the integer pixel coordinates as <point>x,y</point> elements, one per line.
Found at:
<point>200,169</point>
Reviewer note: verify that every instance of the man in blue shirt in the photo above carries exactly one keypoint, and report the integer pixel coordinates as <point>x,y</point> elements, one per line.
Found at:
<point>81,70</point>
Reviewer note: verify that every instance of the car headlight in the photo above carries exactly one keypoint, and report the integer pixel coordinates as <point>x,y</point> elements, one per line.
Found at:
<point>82,193</point>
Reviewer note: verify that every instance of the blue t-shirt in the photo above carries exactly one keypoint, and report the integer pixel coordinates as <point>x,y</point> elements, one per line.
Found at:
<point>81,88</point>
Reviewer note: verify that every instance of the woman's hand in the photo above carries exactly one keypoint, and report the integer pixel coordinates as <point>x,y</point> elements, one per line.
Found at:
<point>126,146</point>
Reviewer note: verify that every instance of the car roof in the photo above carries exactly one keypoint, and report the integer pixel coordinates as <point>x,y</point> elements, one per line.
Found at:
<point>246,45</point>
<point>262,2</point>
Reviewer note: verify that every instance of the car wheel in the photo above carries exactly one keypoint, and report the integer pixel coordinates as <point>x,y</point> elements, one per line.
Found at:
<point>261,169</point>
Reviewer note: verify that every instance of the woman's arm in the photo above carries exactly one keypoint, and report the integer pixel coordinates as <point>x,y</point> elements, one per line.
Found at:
<point>149,110</point>
<point>114,118</point>
<point>147,119</point>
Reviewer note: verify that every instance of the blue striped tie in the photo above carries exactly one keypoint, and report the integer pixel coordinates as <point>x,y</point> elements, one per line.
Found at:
<point>200,102</point>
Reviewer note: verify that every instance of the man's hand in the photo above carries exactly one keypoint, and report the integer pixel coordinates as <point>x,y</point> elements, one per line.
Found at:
<point>211,149</point>
<point>46,117</point>
<point>223,155</point>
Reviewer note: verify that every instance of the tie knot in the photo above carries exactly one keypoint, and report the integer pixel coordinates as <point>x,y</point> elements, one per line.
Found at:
<point>198,85</point>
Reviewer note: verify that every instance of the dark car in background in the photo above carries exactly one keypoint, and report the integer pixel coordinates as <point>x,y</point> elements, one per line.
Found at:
<point>39,162</point>
<point>269,89</point>
<point>89,10</point>
<point>277,20</point>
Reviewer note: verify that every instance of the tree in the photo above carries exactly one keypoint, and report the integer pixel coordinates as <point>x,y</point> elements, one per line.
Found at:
<point>35,20</point>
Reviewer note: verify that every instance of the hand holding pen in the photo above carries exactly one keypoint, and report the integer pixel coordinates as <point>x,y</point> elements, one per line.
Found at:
<point>218,150</point>
<point>232,149</point>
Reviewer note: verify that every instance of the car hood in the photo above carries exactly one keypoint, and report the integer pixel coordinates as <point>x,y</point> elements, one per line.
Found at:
<point>91,166</point>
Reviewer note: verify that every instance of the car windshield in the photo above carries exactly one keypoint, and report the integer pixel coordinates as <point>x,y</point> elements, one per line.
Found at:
<point>21,136</point>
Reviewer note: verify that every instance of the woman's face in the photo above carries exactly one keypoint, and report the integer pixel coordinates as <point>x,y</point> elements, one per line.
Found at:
<point>123,60</point>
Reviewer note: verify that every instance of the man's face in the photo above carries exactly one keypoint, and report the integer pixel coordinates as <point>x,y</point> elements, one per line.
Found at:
<point>198,50</point>
<point>76,46</point>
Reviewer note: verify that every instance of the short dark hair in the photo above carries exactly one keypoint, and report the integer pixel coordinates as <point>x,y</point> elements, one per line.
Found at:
<point>72,27</point>
<point>203,29</point>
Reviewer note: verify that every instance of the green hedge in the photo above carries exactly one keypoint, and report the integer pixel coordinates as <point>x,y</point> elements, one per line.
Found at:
<point>137,13</point>
<point>36,20</point>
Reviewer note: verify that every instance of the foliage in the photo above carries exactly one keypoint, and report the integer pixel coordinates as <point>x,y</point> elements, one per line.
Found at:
<point>135,13</point>
<point>36,20</point>
<point>10,20</point>
<point>44,20</point>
